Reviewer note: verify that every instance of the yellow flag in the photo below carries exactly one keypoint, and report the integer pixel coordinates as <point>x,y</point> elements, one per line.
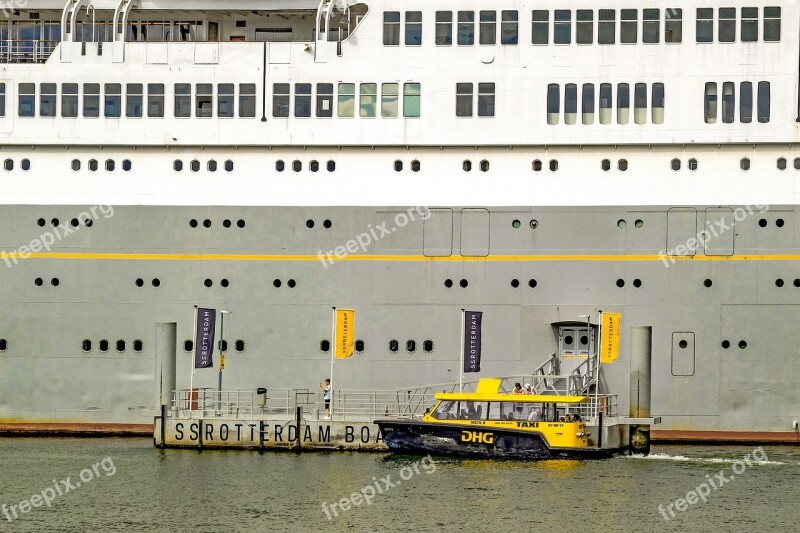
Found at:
<point>609,351</point>
<point>345,333</point>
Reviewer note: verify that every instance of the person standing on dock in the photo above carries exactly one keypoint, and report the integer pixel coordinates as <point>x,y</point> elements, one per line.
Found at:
<point>326,389</point>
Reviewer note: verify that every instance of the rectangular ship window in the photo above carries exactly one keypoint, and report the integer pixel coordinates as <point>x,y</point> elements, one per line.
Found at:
<point>368,100</point>
<point>91,100</point>
<point>623,103</point>
<point>657,113</point>
<point>562,26</point>
<point>640,103</point>
<point>509,27</point>
<point>749,24</point>
<point>247,100</point>
<point>280,100</point>
<point>570,103</point>
<point>204,100</point>
<point>183,100</point>
<point>391,28</point>
<point>47,100</point>
<point>763,102</point>
<point>486,99</point>
<point>134,100</point>
<point>728,102</point>
<point>673,25</point>
<point>705,25</point>
<point>390,100</point>
<point>772,24</point>
<point>587,104</point>
<point>487,33</point>
<point>347,100</point>
<point>727,24</point>
<point>746,102</point>
<point>553,103</point>
<point>225,100</point>
<point>112,103</point>
<point>69,100</point>
<point>584,30</point>
<point>2,99</point>
<point>629,26</point>
<point>302,100</point>
<point>711,103</point>
<point>413,28</point>
<point>463,99</point>
<point>412,100</point>
<point>607,26</point>
<point>606,103</point>
<point>651,26</point>
<point>155,100</point>
<point>540,27</point>
<point>444,28</point>
<point>324,100</point>
<point>466,27</point>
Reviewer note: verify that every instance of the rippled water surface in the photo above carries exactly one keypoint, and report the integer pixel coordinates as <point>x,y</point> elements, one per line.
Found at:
<point>140,488</point>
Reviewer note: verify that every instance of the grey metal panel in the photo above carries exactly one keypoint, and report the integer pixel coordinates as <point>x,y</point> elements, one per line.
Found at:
<point>475,232</point>
<point>681,227</point>
<point>720,231</point>
<point>683,354</point>
<point>438,233</point>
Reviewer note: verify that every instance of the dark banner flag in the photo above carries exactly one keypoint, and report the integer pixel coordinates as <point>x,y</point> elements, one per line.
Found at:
<point>472,341</point>
<point>204,344</point>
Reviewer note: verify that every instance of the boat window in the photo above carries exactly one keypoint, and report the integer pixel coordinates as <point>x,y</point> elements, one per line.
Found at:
<point>540,26</point>
<point>623,103</point>
<point>204,101</point>
<point>763,102</point>
<point>155,100</point>
<point>651,26</point>
<point>728,102</point>
<point>446,410</point>
<point>302,100</point>
<point>183,100</point>
<point>412,100</point>
<point>570,103</point>
<point>673,25</point>
<point>658,103</point>
<point>629,26</point>
<point>247,100</point>
<point>746,102</point>
<point>463,99</point>
<point>225,99</point>
<point>502,411</point>
<point>606,26</point>
<point>133,100</point>
<point>486,99</point>
<point>584,31</point>
<point>553,103</point>
<point>488,27</point>
<point>91,100</point>
<point>749,24</point>
<point>705,25</point>
<point>711,103</point>
<point>587,104</point>
<point>509,27</point>
<point>727,24</point>
<point>347,99</point>
<point>112,104</point>
<point>280,100</point>
<point>466,27</point>
<point>368,100</point>
<point>562,27</point>
<point>389,100</point>
<point>473,410</point>
<point>69,100</point>
<point>444,28</point>
<point>772,24</point>
<point>606,103</point>
<point>47,100</point>
<point>391,28</point>
<point>324,100</point>
<point>413,28</point>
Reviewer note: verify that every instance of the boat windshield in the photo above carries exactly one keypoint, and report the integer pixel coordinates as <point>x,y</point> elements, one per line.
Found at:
<point>474,410</point>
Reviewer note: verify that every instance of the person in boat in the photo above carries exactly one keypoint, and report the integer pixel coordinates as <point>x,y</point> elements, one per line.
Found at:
<point>528,389</point>
<point>535,416</point>
<point>470,413</point>
<point>518,390</point>
<point>567,418</point>
<point>576,418</point>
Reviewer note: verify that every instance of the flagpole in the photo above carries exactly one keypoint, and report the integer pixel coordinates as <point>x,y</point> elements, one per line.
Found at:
<point>333,352</point>
<point>191,361</point>
<point>461,357</point>
<point>599,357</point>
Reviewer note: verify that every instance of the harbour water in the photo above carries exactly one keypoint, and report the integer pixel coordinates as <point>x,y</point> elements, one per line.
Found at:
<point>127,485</point>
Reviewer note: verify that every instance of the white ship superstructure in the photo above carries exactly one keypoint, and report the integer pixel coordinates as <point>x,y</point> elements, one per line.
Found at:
<point>540,161</point>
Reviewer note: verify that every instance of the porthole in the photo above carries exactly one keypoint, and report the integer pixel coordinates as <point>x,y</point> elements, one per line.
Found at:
<point>208,283</point>
<point>797,163</point>
<point>177,165</point>
<point>3,345</point>
<point>779,283</point>
<point>225,283</point>
<point>25,164</point>
<point>331,166</point>
<point>127,165</point>
<point>516,224</point>
<point>484,166</point>
<point>86,345</point>
<point>763,222</point>
<point>55,282</point>
<point>427,346</point>
<point>467,165</point>
<point>137,345</point>
<point>622,165</point>
<point>537,165</point>
<point>327,224</point>
<point>415,166</point>
<point>139,282</point>
<point>637,283</point>
<point>464,283</point>
<point>38,282</point>
<point>584,340</point>
<point>240,224</point>
<point>120,346</point>
<point>532,283</point>
<point>239,345</point>
<point>621,224</point>
<point>797,282</point>
<point>276,283</point>
<point>744,164</point>
<point>228,166</point>
<point>55,222</point>
<point>188,346</point>
<point>9,164</point>
<point>110,165</point>
<point>411,346</point>
<point>314,166</point>
<point>742,345</point>
<point>223,346</point>
<point>568,340</point>
<point>394,345</point>
<point>156,283</point>
<point>324,345</point>
<point>605,164</point>
<point>93,165</point>
<point>534,224</point>
<point>448,283</point>
<point>675,164</point>
<point>398,166</point>
<point>639,224</point>
<point>726,344</point>
<point>708,283</point>
<point>359,346</point>
<point>779,222</point>
<point>693,164</point>
<point>195,165</point>
<point>620,283</point>
<point>515,283</point>
<point>291,283</point>
<point>212,166</point>
<point>76,164</point>
<point>553,165</point>
<point>88,222</point>
<point>781,163</point>
<point>310,224</point>
<point>206,223</point>
<point>41,222</point>
<point>193,223</point>
<point>75,222</point>
<point>226,223</point>
<point>103,345</point>
<point>683,344</point>
<point>297,166</point>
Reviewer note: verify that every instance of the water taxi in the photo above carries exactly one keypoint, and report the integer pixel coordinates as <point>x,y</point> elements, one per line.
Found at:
<point>490,423</point>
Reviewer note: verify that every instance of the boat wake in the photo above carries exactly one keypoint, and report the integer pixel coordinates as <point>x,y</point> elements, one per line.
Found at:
<point>684,459</point>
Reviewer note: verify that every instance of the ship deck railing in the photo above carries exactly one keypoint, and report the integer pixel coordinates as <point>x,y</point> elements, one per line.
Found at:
<point>27,51</point>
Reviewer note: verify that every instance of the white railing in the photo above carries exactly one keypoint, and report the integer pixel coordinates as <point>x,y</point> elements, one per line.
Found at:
<point>26,51</point>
